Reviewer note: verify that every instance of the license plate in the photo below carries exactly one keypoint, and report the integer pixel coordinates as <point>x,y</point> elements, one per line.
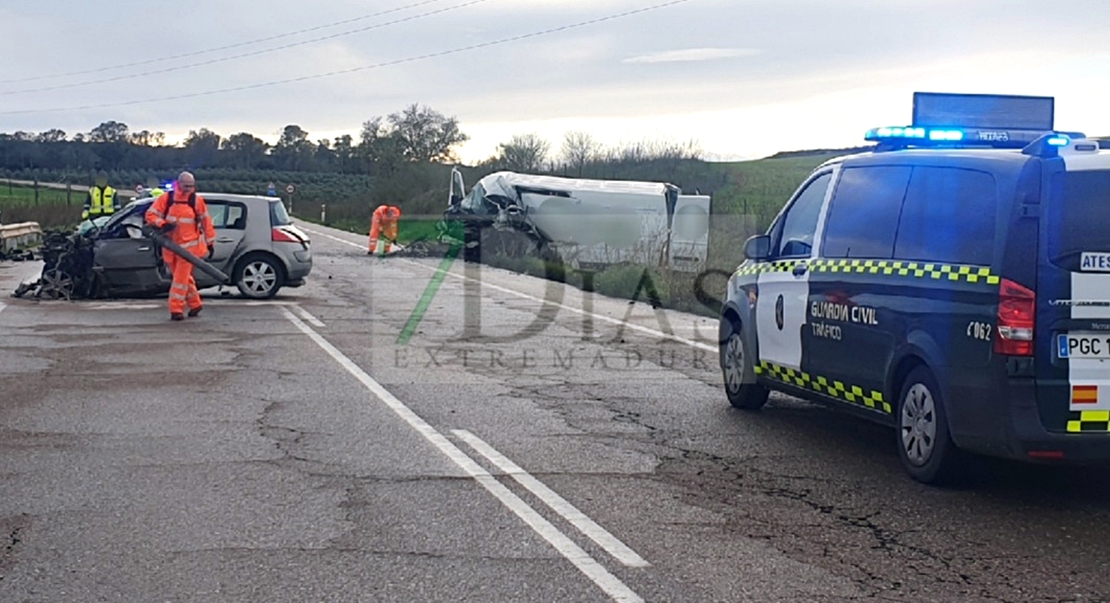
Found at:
<point>1075,345</point>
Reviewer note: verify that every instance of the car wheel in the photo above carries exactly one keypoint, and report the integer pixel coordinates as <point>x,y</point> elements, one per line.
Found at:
<point>739,374</point>
<point>258,276</point>
<point>924,442</point>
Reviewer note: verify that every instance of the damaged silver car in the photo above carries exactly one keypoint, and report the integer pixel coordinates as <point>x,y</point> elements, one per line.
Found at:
<point>257,247</point>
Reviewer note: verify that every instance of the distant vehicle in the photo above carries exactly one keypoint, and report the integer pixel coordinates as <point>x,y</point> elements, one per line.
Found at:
<point>256,245</point>
<point>589,224</point>
<point>954,284</point>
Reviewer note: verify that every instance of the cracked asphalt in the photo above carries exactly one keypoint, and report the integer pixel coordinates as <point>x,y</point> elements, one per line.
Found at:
<point>230,458</point>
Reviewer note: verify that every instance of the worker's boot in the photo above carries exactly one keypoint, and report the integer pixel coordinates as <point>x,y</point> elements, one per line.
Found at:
<point>177,316</point>
<point>195,311</point>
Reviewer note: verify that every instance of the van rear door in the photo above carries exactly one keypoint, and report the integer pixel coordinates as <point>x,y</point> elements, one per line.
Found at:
<point>1073,299</point>
<point>690,233</point>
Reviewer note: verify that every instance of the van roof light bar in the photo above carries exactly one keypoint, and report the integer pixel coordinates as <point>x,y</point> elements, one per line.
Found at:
<point>949,120</point>
<point>962,137</point>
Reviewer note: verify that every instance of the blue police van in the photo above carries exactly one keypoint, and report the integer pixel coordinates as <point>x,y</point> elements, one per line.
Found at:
<point>953,283</point>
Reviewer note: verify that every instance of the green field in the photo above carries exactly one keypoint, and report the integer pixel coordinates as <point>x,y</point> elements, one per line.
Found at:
<point>51,208</point>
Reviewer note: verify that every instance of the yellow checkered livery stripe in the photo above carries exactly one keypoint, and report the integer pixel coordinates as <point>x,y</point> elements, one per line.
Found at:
<point>829,387</point>
<point>921,270</point>
<point>1089,421</point>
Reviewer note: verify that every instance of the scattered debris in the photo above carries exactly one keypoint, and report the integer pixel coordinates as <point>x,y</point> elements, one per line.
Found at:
<point>67,268</point>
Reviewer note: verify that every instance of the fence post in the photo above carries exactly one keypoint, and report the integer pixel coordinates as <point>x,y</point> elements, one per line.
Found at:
<point>36,190</point>
<point>69,192</point>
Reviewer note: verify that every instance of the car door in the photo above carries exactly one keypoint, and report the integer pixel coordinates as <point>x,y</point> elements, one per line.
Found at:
<point>781,305</point>
<point>128,262</point>
<point>857,296</point>
<point>230,220</point>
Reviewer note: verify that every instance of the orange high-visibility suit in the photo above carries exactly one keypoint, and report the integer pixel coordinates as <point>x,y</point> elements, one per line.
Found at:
<point>384,225</point>
<point>194,231</point>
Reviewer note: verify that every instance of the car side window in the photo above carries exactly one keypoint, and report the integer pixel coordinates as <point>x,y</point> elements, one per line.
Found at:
<point>864,212</point>
<point>799,224</point>
<point>228,215</point>
<point>236,216</point>
<point>949,216</point>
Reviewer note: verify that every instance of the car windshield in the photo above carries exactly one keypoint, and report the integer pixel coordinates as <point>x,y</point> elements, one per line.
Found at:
<point>1082,222</point>
<point>278,215</point>
<point>128,212</point>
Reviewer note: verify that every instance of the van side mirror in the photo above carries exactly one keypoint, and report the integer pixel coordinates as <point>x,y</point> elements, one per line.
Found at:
<point>758,248</point>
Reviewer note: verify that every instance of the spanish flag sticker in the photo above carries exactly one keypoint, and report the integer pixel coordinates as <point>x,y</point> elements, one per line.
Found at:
<point>1084,394</point>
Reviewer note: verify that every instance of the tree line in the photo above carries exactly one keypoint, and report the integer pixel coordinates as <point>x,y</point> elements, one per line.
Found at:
<point>416,134</point>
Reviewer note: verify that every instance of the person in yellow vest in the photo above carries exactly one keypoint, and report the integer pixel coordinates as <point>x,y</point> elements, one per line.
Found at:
<point>101,200</point>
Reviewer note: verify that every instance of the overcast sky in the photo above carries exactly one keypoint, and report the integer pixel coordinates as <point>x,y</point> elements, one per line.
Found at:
<point>740,78</point>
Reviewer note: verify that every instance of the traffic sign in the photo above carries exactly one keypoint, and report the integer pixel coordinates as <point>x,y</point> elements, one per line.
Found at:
<point>289,189</point>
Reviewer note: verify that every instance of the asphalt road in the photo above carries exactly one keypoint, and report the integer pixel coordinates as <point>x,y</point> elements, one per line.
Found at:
<point>369,437</point>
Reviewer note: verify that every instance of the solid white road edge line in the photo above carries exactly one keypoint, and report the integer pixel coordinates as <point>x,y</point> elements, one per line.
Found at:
<point>620,551</point>
<point>635,327</point>
<point>312,320</point>
<point>566,547</point>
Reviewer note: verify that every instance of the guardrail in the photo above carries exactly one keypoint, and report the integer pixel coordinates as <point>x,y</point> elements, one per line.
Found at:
<point>15,236</point>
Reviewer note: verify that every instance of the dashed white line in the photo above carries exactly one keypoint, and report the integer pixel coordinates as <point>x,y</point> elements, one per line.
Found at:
<point>312,320</point>
<point>615,321</point>
<point>620,551</point>
<point>607,582</point>
<point>2,306</point>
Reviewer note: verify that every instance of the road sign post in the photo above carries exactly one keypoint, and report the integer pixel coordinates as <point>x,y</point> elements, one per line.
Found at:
<point>290,189</point>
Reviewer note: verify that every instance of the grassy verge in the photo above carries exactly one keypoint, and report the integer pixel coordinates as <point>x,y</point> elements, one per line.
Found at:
<point>51,208</point>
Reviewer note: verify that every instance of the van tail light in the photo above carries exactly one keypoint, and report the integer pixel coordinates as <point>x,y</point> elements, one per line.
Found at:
<point>278,235</point>
<point>1017,307</point>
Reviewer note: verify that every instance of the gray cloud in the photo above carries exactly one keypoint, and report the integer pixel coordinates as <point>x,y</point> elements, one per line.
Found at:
<point>691,57</point>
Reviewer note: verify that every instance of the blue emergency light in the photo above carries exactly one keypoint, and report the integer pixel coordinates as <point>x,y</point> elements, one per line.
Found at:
<point>977,120</point>
<point>167,185</point>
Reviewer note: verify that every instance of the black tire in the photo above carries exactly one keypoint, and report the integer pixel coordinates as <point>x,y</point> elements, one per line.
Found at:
<point>259,276</point>
<point>924,442</point>
<point>739,374</point>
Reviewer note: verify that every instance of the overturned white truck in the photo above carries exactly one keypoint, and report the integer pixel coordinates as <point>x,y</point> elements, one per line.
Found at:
<point>588,224</point>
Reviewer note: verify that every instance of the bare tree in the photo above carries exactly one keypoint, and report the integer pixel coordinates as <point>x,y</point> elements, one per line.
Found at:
<point>579,149</point>
<point>523,153</point>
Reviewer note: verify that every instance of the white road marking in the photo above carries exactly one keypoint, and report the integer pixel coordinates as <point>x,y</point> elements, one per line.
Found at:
<point>336,239</point>
<point>208,301</point>
<point>569,512</point>
<point>2,306</point>
<point>635,327</point>
<point>593,570</point>
<point>312,320</point>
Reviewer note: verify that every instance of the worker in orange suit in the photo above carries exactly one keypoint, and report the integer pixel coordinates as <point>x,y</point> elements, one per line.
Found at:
<point>383,225</point>
<point>182,215</point>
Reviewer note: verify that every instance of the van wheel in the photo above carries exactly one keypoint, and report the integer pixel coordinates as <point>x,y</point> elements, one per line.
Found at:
<point>258,276</point>
<point>739,375</point>
<point>924,442</point>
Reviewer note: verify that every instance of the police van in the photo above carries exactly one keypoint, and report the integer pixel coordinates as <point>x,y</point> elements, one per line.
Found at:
<point>953,283</point>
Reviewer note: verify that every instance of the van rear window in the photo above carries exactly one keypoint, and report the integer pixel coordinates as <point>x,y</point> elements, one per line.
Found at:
<point>1081,221</point>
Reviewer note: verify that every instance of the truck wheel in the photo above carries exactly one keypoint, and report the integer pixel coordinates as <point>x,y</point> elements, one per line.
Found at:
<point>258,276</point>
<point>924,442</point>
<point>739,375</point>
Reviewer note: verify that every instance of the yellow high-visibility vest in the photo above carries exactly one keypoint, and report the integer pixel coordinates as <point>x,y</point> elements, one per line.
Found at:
<point>103,201</point>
